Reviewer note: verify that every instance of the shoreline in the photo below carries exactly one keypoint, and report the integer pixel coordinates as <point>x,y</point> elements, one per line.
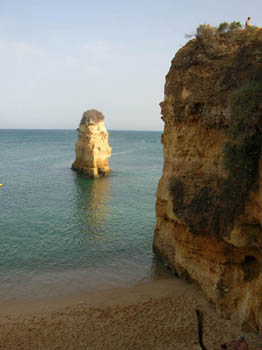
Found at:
<point>165,287</point>
<point>154,315</point>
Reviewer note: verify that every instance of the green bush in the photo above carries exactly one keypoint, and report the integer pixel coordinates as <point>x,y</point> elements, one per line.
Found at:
<point>223,27</point>
<point>234,26</point>
<point>226,27</point>
<point>216,41</point>
<point>205,31</point>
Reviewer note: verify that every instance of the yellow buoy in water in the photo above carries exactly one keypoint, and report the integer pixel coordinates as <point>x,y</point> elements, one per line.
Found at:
<point>1,185</point>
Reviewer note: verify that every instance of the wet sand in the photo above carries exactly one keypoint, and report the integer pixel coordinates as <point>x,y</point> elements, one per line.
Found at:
<point>155,315</point>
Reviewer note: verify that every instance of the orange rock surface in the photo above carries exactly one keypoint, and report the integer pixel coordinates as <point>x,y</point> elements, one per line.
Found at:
<point>206,230</point>
<point>92,148</point>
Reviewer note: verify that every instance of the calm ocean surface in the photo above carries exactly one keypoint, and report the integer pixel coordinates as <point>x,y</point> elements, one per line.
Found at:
<point>62,234</point>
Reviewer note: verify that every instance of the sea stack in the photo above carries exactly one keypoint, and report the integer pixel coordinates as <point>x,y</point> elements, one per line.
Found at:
<point>92,148</point>
<point>209,198</point>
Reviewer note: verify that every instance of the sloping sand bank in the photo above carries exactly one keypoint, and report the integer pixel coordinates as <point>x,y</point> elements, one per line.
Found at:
<point>156,315</point>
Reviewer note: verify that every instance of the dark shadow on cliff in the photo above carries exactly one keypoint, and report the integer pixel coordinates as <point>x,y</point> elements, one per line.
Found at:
<point>215,204</point>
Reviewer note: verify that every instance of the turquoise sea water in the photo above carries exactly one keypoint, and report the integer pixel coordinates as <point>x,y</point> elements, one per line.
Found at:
<point>63,234</point>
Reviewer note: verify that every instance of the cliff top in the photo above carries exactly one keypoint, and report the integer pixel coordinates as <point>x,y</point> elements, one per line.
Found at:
<point>214,43</point>
<point>92,116</point>
<point>210,68</point>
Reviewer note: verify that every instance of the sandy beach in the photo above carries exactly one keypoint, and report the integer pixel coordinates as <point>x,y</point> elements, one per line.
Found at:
<point>155,315</point>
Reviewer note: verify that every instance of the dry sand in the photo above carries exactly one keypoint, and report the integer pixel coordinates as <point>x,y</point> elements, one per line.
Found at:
<point>156,315</point>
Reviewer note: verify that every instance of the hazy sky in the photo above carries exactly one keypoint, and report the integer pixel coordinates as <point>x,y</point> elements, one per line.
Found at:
<point>59,58</point>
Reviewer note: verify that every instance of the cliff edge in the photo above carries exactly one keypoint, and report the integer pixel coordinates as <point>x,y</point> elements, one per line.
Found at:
<point>209,198</point>
<point>92,148</point>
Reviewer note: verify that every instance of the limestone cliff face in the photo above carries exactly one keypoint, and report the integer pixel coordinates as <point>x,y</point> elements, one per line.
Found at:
<point>209,198</point>
<point>92,148</point>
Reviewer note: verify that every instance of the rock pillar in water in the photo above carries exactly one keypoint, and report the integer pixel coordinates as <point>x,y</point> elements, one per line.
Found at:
<point>92,148</point>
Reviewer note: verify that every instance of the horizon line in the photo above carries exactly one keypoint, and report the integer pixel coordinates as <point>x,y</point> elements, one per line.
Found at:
<point>76,129</point>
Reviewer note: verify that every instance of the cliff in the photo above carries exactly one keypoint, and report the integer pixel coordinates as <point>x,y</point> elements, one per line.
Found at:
<point>209,198</point>
<point>92,148</point>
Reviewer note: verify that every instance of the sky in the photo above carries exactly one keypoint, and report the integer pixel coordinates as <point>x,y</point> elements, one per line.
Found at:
<point>59,58</point>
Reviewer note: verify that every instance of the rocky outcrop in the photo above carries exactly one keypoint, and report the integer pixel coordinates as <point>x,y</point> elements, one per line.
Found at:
<point>209,198</point>
<point>92,148</point>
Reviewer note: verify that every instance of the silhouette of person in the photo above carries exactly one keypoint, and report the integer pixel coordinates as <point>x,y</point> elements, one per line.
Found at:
<point>247,24</point>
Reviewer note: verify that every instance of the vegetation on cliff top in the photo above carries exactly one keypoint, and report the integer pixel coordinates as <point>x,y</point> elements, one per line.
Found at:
<point>221,40</point>
<point>206,31</point>
<point>224,30</point>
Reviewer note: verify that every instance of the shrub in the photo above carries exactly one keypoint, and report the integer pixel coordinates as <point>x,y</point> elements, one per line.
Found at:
<point>208,39</point>
<point>205,31</point>
<point>235,26</point>
<point>215,40</point>
<point>223,27</point>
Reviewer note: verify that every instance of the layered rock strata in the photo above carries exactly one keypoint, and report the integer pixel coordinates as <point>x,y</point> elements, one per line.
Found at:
<point>209,198</point>
<point>92,148</point>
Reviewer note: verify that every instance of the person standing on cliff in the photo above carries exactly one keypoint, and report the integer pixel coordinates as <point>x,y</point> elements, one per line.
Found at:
<point>247,24</point>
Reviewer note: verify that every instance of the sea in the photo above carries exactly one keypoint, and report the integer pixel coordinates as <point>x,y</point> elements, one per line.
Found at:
<point>62,234</point>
